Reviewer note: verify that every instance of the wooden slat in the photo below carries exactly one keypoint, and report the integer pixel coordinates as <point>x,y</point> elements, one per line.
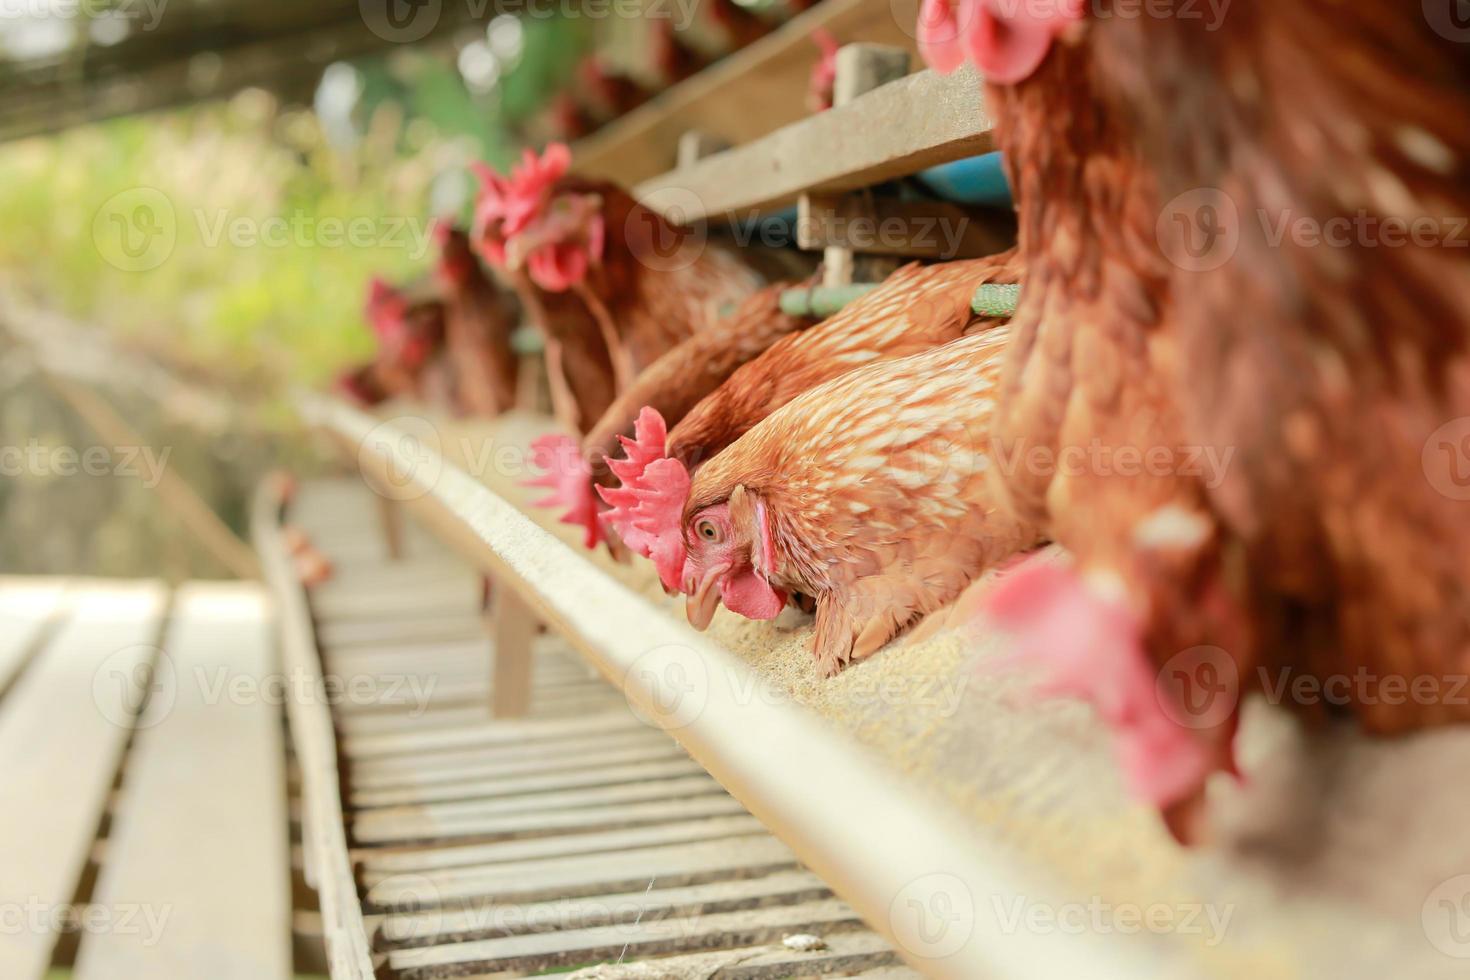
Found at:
<point>62,730</point>
<point>377,865</point>
<point>657,789</point>
<point>743,96</point>
<point>633,745</point>
<point>491,734</point>
<point>496,920</point>
<point>553,821</point>
<point>629,805</point>
<point>200,832</point>
<point>544,782</point>
<point>338,634</point>
<point>544,879</point>
<point>847,954</point>
<point>876,137</point>
<point>539,950</point>
<point>27,607</point>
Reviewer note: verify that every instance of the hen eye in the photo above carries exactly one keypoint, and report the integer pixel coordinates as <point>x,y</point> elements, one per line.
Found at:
<point>707,530</point>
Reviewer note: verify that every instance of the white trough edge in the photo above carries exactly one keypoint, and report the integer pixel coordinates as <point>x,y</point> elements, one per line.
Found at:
<point>323,830</point>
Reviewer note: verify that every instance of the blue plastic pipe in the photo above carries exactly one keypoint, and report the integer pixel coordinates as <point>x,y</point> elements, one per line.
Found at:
<point>977,180</point>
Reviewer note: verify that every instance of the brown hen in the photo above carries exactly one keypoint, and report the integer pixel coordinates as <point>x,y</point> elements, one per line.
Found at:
<point>478,321</point>
<point>867,493</point>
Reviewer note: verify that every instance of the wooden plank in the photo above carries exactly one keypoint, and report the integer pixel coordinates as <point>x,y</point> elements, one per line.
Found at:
<point>549,822</point>
<point>377,865</point>
<point>491,734</point>
<point>634,745</point>
<point>337,634</point>
<point>432,819</point>
<point>378,603</point>
<point>452,717</point>
<point>496,920</point>
<point>405,721</point>
<point>544,782</point>
<point>538,951</point>
<point>200,829</point>
<point>847,954</point>
<point>568,877</point>
<point>27,608</point>
<point>62,732</point>
<point>875,137</point>
<point>743,96</point>
<point>322,829</point>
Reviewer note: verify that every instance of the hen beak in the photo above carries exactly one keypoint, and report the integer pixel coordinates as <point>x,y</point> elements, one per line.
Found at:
<point>701,605</point>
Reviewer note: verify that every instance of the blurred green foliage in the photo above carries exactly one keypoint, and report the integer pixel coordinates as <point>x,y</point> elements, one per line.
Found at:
<point>280,217</point>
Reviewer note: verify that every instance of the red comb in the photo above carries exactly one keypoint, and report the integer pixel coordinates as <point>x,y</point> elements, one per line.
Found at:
<point>507,204</point>
<point>570,480</point>
<point>648,509</point>
<point>824,72</point>
<point>385,309</point>
<point>1087,647</point>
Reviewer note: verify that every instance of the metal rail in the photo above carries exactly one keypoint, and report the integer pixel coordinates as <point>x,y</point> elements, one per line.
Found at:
<point>935,887</point>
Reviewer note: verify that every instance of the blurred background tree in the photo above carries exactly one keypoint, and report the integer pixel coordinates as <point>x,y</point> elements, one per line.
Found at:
<point>281,213</point>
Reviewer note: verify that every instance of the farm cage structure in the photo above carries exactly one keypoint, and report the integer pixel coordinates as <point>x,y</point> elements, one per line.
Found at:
<point>729,148</point>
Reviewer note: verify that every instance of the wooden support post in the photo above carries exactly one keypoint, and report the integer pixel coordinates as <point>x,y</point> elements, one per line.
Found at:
<point>860,69</point>
<point>512,626</point>
<point>695,145</point>
<point>390,517</point>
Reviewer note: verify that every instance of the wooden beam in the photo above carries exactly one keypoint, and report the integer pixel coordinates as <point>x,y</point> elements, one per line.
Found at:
<point>743,96</point>
<point>869,225</point>
<point>916,122</point>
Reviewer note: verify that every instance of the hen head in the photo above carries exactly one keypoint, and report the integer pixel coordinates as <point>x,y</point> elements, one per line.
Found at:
<point>528,219</point>
<point>405,332</point>
<point>1007,39</point>
<point>731,554</point>
<point>385,310</point>
<point>456,261</point>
